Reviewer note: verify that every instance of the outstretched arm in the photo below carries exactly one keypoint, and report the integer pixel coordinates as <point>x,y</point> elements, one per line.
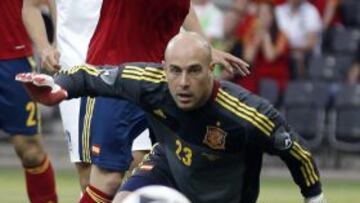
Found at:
<point>278,138</point>
<point>125,81</point>
<point>299,161</point>
<point>75,82</point>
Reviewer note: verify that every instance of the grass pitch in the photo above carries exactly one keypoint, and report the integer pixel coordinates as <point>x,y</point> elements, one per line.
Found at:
<point>273,190</point>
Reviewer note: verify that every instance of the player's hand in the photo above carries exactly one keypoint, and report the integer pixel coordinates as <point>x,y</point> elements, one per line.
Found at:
<point>42,88</point>
<point>317,199</point>
<point>50,59</point>
<point>232,64</point>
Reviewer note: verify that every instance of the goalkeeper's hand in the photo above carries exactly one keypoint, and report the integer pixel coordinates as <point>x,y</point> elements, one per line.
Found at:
<point>42,88</point>
<point>317,199</point>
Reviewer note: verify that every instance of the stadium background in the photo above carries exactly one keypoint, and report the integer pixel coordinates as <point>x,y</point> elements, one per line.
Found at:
<point>323,106</point>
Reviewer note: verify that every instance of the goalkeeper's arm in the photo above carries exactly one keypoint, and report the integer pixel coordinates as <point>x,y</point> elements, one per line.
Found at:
<point>79,81</point>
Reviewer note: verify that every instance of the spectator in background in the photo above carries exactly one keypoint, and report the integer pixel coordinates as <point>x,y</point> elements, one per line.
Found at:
<point>232,17</point>
<point>211,19</point>
<point>354,72</point>
<point>273,2</point>
<point>238,16</point>
<point>301,23</point>
<point>266,48</point>
<point>236,19</point>
<point>328,10</point>
<point>248,10</point>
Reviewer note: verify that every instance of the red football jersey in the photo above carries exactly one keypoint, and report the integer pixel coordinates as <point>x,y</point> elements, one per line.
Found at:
<point>135,30</point>
<point>14,41</point>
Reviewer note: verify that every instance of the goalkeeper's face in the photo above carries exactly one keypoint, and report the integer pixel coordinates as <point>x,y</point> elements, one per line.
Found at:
<point>187,68</point>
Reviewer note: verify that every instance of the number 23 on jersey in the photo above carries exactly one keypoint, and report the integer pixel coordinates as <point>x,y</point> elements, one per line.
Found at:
<point>183,153</point>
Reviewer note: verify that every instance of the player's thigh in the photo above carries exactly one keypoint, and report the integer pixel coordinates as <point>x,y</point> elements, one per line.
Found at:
<point>18,113</point>
<point>83,170</point>
<point>154,170</point>
<point>105,180</point>
<point>140,147</point>
<point>112,126</point>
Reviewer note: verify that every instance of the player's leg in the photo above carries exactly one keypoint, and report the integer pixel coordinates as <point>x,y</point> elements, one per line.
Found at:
<point>39,173</point>
<point>103,185</point>
<point>83,170</point>
<point>140,147</point>
<point>70,114</point>
<point>154,170</point>
<point>109,180</point>
<point>19,118</point>
<point>138,156</point>
<point>114,125</point>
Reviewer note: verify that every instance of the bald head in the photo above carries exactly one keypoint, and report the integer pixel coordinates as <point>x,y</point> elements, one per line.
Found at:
<point>188,42</point>
<point>188,70</point>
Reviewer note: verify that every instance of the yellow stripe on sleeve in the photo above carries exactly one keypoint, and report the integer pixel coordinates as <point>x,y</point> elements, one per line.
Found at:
<point>235,111</point>
<point>303,171</point>
<point>305,175</point>
<point>148,74</point>
<point>142,77</point>
<point>91,70</point>
<point>306,156</point>
<point>265,120</point>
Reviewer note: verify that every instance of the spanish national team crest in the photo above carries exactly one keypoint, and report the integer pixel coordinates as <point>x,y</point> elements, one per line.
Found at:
<point>215,137</point>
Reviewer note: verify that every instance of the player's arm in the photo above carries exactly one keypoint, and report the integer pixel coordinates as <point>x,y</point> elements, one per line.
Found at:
<point>277,138</point>
<point>136,82</point>
<point>118,81</point>
<point>35,26</point>
<point>230,62</point>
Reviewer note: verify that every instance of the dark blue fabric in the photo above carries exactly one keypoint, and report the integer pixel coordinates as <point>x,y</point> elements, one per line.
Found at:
<point>18,114</point>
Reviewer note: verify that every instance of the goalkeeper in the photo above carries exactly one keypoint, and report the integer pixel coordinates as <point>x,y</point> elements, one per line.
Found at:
<point>212,134</point>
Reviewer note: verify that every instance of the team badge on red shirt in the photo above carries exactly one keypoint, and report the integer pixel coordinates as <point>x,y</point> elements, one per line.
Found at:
<point>215,137</point>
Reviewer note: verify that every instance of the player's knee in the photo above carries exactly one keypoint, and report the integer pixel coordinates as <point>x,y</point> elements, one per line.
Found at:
<point>113,179</point>
<point>28,149</point>
<point>32,157</point>
<point>84,182</point>
<point>84,174</point>
<point>106,180</point>
<point>114,183</point>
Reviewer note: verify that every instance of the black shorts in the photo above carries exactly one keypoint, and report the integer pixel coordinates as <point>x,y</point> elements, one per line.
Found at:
<point>154,170</point>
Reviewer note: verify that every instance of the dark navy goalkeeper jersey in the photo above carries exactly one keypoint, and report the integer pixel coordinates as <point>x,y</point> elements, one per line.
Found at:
<point>214,152</point>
